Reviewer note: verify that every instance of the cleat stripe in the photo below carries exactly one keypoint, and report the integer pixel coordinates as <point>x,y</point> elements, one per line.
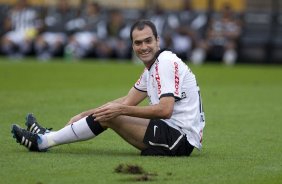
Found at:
<point>23,139</point>
<point>35,129</point>
<point>29,144</point>
<point>38,130</point>
<point>32,126</point>
<point>26,142</point>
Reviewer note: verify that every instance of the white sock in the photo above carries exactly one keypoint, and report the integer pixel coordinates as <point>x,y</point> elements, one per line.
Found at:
<point>198,56</point>
<point>78,131</point>
<point>230,57</point>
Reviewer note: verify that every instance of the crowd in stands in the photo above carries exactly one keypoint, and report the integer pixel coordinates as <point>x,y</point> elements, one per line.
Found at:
<point>91,30</point>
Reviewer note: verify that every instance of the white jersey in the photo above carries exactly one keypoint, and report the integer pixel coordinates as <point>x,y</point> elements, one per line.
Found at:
<point>169,76</point>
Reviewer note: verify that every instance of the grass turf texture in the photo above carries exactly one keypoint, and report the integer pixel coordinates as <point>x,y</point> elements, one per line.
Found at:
<point>242,138</point>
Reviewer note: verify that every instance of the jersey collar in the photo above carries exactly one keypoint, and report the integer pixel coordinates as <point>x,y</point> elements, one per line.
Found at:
<point>156,56</point>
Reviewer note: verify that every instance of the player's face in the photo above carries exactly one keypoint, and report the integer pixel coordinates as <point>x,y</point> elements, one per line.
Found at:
<point>145,45</point>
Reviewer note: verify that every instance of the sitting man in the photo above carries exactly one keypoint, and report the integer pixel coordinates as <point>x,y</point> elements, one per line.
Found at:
<point>172,125</point>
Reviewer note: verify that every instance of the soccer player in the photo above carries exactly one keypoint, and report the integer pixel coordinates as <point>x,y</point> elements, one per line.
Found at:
<point>172,125</point>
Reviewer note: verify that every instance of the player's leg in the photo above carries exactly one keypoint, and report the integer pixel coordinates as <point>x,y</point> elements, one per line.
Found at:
<point>131,129</point>
<point>81,130</point>
<point>84,129</point>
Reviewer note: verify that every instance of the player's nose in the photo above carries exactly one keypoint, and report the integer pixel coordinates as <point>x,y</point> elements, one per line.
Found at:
<point>143,46</point>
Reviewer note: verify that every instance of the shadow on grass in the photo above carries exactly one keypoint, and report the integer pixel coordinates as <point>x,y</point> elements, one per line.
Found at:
<point>91,151</point>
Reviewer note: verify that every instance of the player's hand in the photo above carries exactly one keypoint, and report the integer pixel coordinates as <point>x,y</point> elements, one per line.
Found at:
<point>108,111</point>
<point>74,119</point>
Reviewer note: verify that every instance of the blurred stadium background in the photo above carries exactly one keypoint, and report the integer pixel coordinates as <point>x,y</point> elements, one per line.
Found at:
<point>242,103</point>
<point>260,39</point>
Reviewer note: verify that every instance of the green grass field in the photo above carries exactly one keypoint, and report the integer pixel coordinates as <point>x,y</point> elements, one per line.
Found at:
<point>242,138</point>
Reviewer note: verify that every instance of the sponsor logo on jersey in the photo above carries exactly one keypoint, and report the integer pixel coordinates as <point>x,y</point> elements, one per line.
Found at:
<point>176,78</point>
<point>158,79</point>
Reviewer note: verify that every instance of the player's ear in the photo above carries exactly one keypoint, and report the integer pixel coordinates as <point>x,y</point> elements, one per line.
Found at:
<point>158,41</point>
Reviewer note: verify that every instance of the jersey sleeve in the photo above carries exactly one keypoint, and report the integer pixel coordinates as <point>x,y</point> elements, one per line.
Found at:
<point>141,83</point>
<point>169,76</point>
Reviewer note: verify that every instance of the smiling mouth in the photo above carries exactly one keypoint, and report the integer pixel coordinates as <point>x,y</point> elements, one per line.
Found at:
<point>145,53</point>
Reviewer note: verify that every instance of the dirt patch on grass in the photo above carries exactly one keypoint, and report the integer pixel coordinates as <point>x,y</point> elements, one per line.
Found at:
<point>141,174</point>
<point>129,169</point>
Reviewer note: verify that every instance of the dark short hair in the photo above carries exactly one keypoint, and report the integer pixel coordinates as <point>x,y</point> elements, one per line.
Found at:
<point>140,25</point>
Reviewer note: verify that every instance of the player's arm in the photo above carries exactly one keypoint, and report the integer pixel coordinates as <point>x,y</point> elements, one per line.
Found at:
<point>134,97</point>
<point>162,110</point>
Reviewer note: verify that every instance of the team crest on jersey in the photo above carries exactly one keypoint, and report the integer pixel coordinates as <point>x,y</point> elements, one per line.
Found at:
<point>183,95</point>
